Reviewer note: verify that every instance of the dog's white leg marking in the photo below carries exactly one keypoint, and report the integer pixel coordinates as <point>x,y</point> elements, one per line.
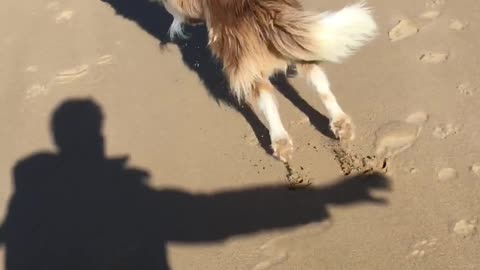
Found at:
<point>319,80</point>
<point>340,123</point>
<point>282,145</point>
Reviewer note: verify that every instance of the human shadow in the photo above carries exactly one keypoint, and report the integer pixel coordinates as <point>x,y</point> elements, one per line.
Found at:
<point>78,209</point>
<point>155,20</point>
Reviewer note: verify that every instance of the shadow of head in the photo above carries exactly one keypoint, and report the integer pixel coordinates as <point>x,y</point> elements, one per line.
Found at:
<point>76,127</point>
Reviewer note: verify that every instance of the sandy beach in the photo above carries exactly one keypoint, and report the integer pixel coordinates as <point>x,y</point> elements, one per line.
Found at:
<point>413,94</point>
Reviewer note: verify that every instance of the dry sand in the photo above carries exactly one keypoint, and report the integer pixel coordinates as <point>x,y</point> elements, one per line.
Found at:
<point>414,94</point>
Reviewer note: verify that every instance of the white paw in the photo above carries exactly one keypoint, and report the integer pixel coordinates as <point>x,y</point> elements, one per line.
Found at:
<point>282,148</point>
<point>343,128</point>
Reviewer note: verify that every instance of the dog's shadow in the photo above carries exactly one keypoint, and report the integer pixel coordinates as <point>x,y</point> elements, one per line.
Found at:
<point>154,19</point>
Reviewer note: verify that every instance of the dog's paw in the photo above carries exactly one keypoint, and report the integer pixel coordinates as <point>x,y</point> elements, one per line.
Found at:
<point>343,128</point>
<point>283,149</point>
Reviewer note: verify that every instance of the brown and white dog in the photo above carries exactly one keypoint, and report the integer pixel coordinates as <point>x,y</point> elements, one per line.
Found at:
<point>254,39</point>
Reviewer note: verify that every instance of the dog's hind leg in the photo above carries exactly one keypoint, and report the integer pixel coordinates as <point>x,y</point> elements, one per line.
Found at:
<point>340,123</point>
<point>282,145</point>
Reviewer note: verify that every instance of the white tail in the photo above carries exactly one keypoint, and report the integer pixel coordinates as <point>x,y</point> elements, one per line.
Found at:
<point>340,34</point>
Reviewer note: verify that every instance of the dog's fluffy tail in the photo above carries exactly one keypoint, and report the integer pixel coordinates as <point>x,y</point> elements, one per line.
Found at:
<point>328,36</point>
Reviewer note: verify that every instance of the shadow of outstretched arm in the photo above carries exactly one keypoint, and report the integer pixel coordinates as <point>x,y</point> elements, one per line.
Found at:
<point>215,217</point>
<point>77,209</point>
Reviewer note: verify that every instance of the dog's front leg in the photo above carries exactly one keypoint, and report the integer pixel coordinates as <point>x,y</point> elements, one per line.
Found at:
<point>282,145</point>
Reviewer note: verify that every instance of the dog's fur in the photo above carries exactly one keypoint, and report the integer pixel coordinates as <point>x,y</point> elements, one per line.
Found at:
<point>256,38</point>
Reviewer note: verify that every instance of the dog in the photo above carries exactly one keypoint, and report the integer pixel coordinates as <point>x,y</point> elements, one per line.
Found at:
<point>255,39</point>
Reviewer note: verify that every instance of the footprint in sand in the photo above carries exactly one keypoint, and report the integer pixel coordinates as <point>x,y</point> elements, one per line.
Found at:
<point>391,139</point>
<point>275,255</point>
<point>447,174</point>
<point>277,249</point>
<point>70,75</point>
<point>457,25</point>
<point>421,248</point>
<point>64,16</point>
<point>31,69</point>
<point>465,228</point>
<point>98,73</point>
<point>36,90</point>
<point>475,169</point>
<point>466,89</point>
<point>105,59</point>
<point>297,178</point>
<point>434,57</point>
<point>351,163</point>
<point>430,14</point>
<point>405,28</point>
<point>442,132</point>
<point>397,136</point>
